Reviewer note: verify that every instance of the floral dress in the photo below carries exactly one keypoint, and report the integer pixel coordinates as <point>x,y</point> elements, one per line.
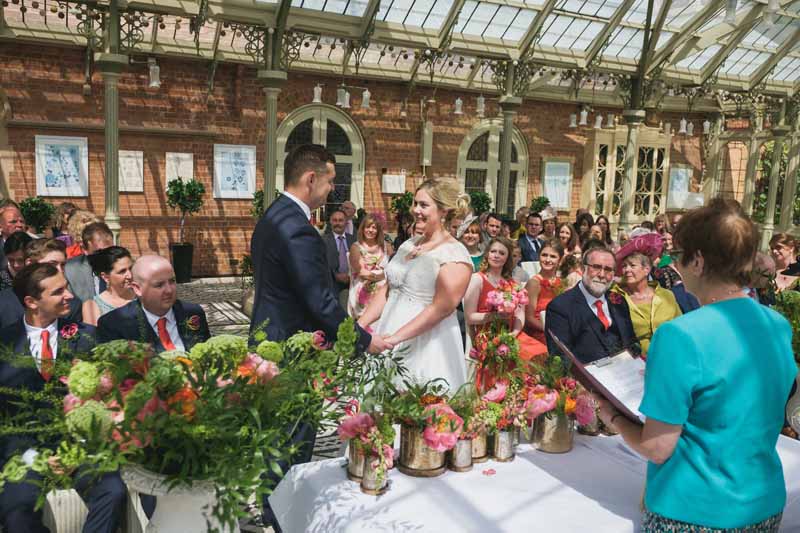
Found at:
<point>361,290</point>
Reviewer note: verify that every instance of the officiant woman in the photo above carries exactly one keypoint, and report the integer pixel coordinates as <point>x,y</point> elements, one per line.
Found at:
<point>716,385</point>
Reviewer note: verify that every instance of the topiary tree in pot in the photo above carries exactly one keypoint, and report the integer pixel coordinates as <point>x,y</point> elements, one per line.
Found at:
<point>187,197</point>
<point>37,212</point>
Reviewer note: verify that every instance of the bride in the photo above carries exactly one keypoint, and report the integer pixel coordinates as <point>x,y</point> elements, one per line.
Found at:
<point>427,279</point>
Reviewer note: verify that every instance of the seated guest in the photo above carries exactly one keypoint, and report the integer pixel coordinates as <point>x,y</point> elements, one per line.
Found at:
<point>337,246</point>
<point>521,216</point>
<point>367,263</point>
<point>113,265</point>
<point>650,304</point>
<point>783,248</point>
<point>605,226</point>
<point>542,288</point>
<point>42,290</point>
<point>44,251</point>
<point>570,270</point>
<point>700,370</point>
<point>589,319</point>
<point>529,243</point>
<point>76,223</point>
<point>549,223</point>
<point>58,223</point>
<point>472,238</point>
<point>82,281</point>
<point>157,316</point>
<point>14,249</point>
<point>583,223</point>
<point>568,239</point>
<point>661,224</point>
<point>518,273</point>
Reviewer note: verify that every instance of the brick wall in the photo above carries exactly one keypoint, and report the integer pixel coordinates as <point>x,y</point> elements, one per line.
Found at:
<point>45,84</point>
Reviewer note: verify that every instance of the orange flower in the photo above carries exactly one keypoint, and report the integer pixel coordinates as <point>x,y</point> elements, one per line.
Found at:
<point>430,399</point>
<point>185,361</point>
<point>186,397</point>
<point>569,405</point>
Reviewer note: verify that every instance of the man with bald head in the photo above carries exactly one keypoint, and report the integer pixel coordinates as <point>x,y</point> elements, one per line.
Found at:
<point>156,316</point>
<point>11,221</point>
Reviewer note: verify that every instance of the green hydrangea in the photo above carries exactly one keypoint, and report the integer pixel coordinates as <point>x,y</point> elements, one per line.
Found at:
<point>271,351</point>
<point>173,354</point>
<point>84,380</point>
<point>260,336</point>
<point>81,419</point>
<point>229,347</point>
<point>165,375</point>
<point>346,338</point>
<point>327,358</point>
<point>300,342</point>
<point>141,393</point>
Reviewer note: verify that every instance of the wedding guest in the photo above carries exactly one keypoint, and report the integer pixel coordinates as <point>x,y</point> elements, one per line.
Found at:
<point>661,224</point>
<point>665,258</point>
<point>602,221</point>
<point>44,334</point>
<point>508,227</point>
<point>82,281</point>
<point>570,270</point>
<point>57,228</point>
<point>156,316</point>
<point>14,250</point>
<point>549,223</point>
<point>472,239</point>
<point>596,232</point>
<point>518,273</point>
<point>349,210</point>
<point>76,223</point>
<point>568,239</point>
<point>11,221</point>
<point>367,264</point>
<point>530,243</point>
<point>542,288</point>
<point>337,245</point>
<point>583,223</point>
<point>589,319</point>
<point>521,216</point>
<point>650,305</point>
<point>699,369</point>
<point>454,225</point>
<point>783,248</point>
<point>113,265</point>
<point>493,226</point>
<point>403,230</point>
<point>761,287</point>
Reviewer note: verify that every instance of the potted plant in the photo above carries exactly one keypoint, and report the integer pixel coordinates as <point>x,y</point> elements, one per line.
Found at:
<point>502,412</point>
<point>480,201</point>
<point>187,197</point>
<point>464,404</point>
<point>539,203</point>
<point>37,212</point>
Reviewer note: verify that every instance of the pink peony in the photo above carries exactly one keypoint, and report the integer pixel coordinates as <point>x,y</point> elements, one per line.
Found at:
<point>509,307</point>
<point>263,370</point>
<point>106,384</point>
<point>584,410</point>
<point>541,400</point>
<point>388,453</point>
<point>353,426</point>
<point>502,350</point>
<point>443,427</point>
<point>71,402</point>
<point>497,393</point>
<point>318,340</point>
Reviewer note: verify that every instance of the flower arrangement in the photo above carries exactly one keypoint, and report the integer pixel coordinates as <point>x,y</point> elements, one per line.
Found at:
<point>425,407</point>
<point>367,289</point>
<point>553,391</point>
<point>218,413</point>
<point>501,408</point>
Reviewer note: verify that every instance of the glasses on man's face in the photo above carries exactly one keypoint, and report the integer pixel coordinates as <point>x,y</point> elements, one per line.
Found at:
<point>601,268</point>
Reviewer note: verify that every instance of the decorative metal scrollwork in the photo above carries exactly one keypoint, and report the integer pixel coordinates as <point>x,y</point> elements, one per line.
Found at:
<point>524,72</point>
<point>290,48</point>
<point>91,25</point>
<point>198,21</point>
<point>131,29</point>
<point>255,37</point>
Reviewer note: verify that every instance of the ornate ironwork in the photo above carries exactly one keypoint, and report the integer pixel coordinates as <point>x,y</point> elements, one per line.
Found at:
<point>91,25</point>
<point>131,29</point>
<point>197,22</point>
<point>290,48</point>
<point>428,58</point>
<point>255,37</point>
<point>524,72</point>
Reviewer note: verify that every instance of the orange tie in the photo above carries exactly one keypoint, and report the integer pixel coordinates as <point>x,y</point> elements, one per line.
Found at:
<point>163,335</point>
<point>46,356</point>
<point>600,314</point>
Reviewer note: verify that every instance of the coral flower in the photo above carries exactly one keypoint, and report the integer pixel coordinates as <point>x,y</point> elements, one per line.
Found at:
<point>497,393</point>
<point>318,340</point>
<point>569,405</point>
<point>443,427</point>
<point>584,410</point>
<point>541,400</point>
<point>186,397</point>
<point>257,369</point>
<point>71,402</point>
<point>354,426</point>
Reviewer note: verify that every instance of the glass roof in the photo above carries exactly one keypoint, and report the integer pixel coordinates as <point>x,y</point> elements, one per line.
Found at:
<point>482,30</point>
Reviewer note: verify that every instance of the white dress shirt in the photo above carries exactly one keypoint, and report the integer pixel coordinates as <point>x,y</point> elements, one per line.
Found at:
<point>301,203</point>
<point>172,327</point>
<point>591,299</point>
<point>35,341</point>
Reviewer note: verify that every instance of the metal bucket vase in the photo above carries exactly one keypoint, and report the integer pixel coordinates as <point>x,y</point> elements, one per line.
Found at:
<point>553,434</point>
<point>503,449</point>
<point>480,448</point>
<point>370,482</point>
<point>355,463</point>
<point>416,458</point>
<point>461,456</point>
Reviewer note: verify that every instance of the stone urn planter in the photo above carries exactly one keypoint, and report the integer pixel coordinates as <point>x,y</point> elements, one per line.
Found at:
<point>178,510</point>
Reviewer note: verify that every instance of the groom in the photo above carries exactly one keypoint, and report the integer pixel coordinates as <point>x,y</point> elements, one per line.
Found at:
<point>293,284</point>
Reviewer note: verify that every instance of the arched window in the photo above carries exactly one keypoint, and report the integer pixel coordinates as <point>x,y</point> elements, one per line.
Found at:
<point>328,126</point>
<point>479,164</point>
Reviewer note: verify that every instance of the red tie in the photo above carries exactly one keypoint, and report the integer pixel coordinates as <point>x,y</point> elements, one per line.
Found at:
<point>163,335</point>
<point>600,314</point>
<point>46,356</point>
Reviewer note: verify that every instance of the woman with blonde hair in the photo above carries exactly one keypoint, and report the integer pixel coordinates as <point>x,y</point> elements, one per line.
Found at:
<point>427,278</point>
<point>78,220</point>
<point>57,227</point>
<point>367,263</point>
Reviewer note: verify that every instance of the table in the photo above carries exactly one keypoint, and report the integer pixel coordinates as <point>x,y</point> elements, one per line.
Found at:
<point>595,488</point>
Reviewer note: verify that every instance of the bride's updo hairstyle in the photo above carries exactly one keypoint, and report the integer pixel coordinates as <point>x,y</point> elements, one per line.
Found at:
<point>448,198</point>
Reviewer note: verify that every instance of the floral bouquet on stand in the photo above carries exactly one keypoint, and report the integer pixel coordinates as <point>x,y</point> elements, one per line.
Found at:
<point>555,400</point>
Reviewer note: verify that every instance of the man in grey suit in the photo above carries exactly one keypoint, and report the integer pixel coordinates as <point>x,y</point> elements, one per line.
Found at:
<point>11,221</point>
<point>337,246</point>
<point>82,281</point>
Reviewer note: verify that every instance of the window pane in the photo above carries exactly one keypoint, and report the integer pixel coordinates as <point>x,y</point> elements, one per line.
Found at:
<point>475,180</point>
<point>341,189</point>
<point>336,140</point>
<point>301,134</point>
<point>479,151</point>
<point>600,181</point>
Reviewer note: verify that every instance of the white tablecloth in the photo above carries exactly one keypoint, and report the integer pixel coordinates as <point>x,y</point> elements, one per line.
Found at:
<point>595,488</point>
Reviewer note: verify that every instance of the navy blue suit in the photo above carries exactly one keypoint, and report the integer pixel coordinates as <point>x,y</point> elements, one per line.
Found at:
<point>105,496</point>
<point>130,323</point>
<point>11,310</point>
<point>575,324</point>
<point>292,277</point>
<point>529,253</point>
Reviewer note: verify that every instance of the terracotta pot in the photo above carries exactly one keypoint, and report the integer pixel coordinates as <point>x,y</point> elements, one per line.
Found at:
<point>553,434</point>
<point>480,448</point>
<point>461,456</point>
<point>416,458</point>
<point>355,463</point>
<point>503,449</point>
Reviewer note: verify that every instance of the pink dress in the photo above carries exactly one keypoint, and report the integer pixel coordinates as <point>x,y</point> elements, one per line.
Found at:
<point>361,290</point>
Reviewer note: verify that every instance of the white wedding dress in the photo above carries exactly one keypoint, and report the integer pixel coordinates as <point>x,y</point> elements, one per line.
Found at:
<point>439,352</point>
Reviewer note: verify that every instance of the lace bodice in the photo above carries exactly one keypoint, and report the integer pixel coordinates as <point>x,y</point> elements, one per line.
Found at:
<point>416,278</point>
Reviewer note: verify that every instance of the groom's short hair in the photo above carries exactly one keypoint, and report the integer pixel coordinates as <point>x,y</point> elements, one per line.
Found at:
<point>304,158</point>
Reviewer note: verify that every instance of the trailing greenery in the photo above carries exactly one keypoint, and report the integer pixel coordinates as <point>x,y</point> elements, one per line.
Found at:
<point>187,197</point>
<point>37,212</point>
<point>787,303</point>
<point>480,201</point>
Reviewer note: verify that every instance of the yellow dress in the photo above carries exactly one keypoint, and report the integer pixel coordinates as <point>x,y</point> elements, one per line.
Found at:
<point>648,316</point>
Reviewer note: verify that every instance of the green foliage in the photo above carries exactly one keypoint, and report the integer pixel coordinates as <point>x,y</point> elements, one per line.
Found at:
<point>480,201</point>
<point>787,303</point>
<point>402,204</point>
<point>409,406</point>
<point>539,203</point>
<point>465,402</point>
<point>761,191</point>
<point>187,197</point>
<point>37,212</point>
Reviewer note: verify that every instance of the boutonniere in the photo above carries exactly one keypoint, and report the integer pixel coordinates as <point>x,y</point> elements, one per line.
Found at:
<point>615,298</point>
<point>193,322</point>
<point>69,331</point>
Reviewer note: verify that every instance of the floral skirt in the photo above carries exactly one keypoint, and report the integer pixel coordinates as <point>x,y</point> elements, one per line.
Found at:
<point>655,523</point>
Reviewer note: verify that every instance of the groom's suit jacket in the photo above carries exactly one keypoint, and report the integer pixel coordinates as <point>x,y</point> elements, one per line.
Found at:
<point>293,283</point>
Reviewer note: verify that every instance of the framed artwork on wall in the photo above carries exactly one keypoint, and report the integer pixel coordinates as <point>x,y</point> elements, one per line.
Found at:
<point>234,171</point>
<point>62,166</point>
<point>557,182</point>
<point>679,193</point>
<point>131,171</point>
<point>179,166</point>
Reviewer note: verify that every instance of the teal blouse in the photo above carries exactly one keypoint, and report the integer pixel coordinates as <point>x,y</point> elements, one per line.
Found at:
<point>724,373</point>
